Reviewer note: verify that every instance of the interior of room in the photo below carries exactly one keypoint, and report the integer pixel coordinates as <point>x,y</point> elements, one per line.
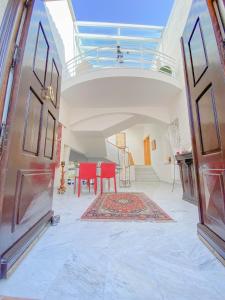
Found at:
<point>112,153</point>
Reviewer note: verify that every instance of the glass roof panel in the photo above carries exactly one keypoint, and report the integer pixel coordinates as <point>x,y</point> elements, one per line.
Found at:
<point>97,30</point>
<point>138,44</point>
<point>139,32</point>
<point>96,42</point>
<point>105,44</point>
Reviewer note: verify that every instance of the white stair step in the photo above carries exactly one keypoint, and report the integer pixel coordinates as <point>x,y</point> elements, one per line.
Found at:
<point>145,174</point>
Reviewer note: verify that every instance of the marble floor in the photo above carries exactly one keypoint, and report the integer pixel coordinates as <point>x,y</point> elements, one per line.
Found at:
<point>83,260</point>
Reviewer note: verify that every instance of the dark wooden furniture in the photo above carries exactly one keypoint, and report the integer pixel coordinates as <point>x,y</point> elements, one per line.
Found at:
<point>203,53</point>
<point>187,176</point>
<point>27,163</point>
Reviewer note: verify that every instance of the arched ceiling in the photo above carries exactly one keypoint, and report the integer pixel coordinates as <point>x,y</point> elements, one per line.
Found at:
<point>100,123</point>
<point>120,88</point>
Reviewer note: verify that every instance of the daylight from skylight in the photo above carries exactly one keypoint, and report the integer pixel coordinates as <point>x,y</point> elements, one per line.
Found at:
<point>120,33</point>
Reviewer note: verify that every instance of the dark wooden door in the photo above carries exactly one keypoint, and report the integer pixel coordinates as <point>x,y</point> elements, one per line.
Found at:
<point>206,88</point>
<point>32,124</point>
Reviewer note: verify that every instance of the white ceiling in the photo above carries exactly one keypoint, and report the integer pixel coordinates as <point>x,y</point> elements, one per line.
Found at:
<point>121,89</point>
<point>117,91</point>
<point>100,123</point>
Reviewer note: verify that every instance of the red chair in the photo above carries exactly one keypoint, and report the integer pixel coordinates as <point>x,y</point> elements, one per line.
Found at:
<point>108,171</point>
<point>87,171</point>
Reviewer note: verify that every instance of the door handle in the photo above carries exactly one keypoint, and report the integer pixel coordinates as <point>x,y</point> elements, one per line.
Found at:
<point>48,93</point>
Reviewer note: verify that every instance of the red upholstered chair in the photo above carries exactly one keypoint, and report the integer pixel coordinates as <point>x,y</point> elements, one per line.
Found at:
<point>108,171</point>
<point>87,171</point>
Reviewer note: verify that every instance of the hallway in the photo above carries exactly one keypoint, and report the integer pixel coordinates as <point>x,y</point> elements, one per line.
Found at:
<point>120,260</point>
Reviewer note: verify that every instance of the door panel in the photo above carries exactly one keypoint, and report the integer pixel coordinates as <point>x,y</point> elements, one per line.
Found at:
<point>50,134</point>
<point>206,89</point>
<point>208,122</point>
<point>33,122</point>
<point>41,55</point>
<point>33,188</point>
<point>54,81</point>
<point>214,201</point>
<point>199,61</point>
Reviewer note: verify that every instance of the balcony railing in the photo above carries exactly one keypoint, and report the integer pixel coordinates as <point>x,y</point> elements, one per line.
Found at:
<point>111,45</point>
<point>117,57</point>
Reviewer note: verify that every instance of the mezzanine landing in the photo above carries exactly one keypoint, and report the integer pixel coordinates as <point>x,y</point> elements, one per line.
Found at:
<point>120,260</point>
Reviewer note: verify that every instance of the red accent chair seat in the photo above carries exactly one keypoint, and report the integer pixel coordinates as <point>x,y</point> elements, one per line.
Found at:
<point>87,171</point>
<point>108,171</point>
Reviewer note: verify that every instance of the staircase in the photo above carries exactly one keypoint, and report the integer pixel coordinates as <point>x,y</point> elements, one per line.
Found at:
<point>145,174</point>
<point>122,158</point>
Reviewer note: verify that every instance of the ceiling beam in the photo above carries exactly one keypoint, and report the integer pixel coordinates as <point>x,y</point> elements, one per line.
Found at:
<point>115,37</point>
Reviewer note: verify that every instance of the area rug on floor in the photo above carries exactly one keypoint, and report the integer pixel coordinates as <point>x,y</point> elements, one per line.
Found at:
<point>125,207</point>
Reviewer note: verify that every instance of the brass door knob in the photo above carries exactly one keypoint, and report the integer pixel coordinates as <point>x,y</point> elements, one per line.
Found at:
<point>48,93</point>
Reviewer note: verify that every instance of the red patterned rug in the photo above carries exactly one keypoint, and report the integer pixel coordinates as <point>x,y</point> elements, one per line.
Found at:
<point>125,207</point>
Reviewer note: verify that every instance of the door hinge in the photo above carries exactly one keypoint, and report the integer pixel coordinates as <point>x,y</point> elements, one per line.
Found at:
<point>16,56</point>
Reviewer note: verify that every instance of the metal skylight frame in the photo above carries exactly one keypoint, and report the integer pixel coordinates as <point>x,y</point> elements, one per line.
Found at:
<point>118,37</point>
<point>98,48</point>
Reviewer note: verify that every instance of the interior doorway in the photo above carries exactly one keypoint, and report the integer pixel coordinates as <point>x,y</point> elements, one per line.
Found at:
<point>147,151</point>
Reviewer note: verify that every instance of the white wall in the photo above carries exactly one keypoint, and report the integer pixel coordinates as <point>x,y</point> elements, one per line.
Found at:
<point>3,4</point>
<point>62,23</point>
<point>159,133</point>
<point>179,110</point>
<point>171,45</point>
<point>56,35</point>
<point>89,144</point>
<point>135,142</point>
<point>174,28</point>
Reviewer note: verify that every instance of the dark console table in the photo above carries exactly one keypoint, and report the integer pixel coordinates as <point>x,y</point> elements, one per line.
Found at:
<point>185,162</point>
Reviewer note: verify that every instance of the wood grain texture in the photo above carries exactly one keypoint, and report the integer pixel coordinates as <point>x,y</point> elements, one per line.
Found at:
<point>185,162</point>
<point>207,118</point>
<point>8,33</point>
<point>31,147</point>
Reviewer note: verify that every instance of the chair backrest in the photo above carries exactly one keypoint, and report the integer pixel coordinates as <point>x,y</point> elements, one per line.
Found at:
<point>87,170</point>
<point>108,170</point>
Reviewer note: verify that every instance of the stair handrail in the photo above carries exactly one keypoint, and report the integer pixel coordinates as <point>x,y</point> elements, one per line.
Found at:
<point>124,165</point>
<point>126,150</point>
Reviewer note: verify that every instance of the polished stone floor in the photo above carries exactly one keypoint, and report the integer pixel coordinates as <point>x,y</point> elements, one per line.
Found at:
<point>83,260</point>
